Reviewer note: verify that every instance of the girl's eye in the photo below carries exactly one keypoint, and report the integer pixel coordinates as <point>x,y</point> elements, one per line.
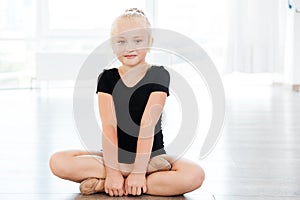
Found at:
<point>120,42</point>
<point>138,41</point>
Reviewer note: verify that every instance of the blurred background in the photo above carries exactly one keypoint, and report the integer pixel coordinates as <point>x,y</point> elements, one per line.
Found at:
<point>40,40</point>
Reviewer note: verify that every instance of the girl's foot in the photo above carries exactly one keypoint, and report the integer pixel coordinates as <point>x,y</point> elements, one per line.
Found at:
<point>92,186</point>
<point>158,163</point>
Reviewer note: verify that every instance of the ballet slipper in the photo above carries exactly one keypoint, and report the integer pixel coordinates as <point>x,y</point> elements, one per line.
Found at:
<point>158,163</point>
<point>91,186</point>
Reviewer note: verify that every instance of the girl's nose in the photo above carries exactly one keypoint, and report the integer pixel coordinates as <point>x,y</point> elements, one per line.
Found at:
<point>129,47</point>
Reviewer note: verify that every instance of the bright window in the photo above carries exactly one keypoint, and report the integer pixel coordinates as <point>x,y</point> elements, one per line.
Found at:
<point>30,26</point>
<point>17,18</point>
<point>199,19</point>
<point>203,21</point>
<point>85,15</point>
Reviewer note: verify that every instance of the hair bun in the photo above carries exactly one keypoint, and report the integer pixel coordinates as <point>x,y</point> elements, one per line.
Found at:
<point>134,11</point>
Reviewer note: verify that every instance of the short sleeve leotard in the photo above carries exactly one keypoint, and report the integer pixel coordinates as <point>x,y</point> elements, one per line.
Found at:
<point>130,103</point>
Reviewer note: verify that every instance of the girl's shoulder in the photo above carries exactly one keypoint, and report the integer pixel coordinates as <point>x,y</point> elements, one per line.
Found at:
<point>110,71</point>
<point>159,70</point>
<point>107,80</point>
<point>158,67</point>
<point>108,75</point>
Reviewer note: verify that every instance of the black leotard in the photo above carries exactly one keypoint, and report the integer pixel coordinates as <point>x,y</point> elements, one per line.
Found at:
<point>130,103</point>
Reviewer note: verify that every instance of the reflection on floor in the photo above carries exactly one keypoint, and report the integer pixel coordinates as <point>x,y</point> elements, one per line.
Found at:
<point>258,156</point>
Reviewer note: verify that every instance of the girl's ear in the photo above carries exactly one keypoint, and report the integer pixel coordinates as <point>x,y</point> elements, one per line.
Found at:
<point>150,43</point>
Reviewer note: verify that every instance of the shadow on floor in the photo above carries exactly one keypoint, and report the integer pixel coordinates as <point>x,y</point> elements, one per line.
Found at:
<point>143,197</point>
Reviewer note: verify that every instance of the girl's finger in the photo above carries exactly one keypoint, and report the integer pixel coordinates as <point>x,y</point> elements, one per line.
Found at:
<point>111,193</point>
<point>126,188</point>
<point>144,189</point>
<point>133,190</point>
<point>129,189</point>
<point>138,191</point>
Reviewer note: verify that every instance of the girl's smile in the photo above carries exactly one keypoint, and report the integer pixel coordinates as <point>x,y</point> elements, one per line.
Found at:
<point>130,56</point>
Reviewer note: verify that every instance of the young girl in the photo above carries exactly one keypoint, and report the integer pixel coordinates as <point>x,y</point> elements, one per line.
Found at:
<point>131,99</point>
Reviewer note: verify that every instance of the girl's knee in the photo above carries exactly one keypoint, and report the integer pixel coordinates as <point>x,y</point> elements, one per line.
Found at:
<point>58,164</point>
<point>199,176</point>
<point>194,177</point>
<point>54,163</point>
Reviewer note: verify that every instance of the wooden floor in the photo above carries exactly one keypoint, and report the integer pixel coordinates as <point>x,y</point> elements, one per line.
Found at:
<point>258,156</point>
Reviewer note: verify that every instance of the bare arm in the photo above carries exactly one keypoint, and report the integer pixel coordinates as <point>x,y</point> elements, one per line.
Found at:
<point>136,182</point>
<point>109,135</point>
<point>149,120</point>
<point>114,182</point>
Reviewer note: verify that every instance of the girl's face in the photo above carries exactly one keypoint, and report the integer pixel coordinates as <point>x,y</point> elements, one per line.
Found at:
<point>130,41</point>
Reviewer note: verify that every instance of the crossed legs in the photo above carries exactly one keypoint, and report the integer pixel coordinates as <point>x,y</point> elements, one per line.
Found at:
<point>77,166</point>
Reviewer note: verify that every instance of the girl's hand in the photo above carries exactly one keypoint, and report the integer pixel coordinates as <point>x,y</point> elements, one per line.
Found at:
<point>114,184</point>
<point>135,184</point>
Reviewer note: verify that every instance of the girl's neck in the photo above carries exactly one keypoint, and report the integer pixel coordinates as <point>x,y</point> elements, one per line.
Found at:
<point>140,68</point>
<point>133,74</point>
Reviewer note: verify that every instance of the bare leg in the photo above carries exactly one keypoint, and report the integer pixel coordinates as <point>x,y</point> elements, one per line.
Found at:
<point>76,165</point>
<point>184,177</point>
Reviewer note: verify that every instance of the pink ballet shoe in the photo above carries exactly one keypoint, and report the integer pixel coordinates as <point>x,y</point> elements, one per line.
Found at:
<point>92,186</point>
<point>158,163</point>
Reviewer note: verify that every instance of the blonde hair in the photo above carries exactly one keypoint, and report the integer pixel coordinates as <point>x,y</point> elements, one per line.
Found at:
<point>132,13</point>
